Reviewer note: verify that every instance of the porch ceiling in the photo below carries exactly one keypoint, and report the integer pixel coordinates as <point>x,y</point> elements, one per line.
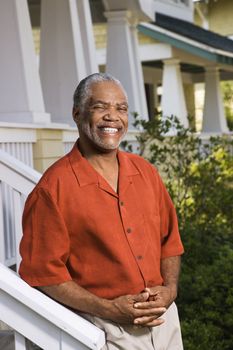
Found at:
<point>185,67</point>
<point>196,72</point>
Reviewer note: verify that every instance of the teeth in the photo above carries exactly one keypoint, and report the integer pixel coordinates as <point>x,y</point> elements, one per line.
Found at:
<point>110,130</point>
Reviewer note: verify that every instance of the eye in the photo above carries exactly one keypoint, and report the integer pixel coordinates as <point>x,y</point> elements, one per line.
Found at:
<point>123,109</point>
<point>99,107</point>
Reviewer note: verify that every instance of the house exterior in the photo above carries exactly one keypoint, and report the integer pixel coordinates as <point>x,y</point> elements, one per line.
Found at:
<point>217,17</point>
<point>47,47</point>
<point>81,37</point>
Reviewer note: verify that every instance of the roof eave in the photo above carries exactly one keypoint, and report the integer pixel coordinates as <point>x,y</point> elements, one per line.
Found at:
<point>193,47</point>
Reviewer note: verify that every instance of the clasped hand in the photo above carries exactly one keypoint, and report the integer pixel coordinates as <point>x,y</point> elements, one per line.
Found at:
<point>143,309</point>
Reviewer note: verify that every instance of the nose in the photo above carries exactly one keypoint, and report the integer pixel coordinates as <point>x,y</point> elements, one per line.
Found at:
<point>111,114</point>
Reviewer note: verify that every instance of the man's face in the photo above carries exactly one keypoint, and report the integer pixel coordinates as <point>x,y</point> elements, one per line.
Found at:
<point>105,119</point>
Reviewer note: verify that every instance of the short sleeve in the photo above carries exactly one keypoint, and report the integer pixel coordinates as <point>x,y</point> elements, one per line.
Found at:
<point>45,243</point>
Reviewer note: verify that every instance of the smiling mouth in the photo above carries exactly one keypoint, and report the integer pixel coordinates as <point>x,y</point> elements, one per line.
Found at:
<point>109,130</point>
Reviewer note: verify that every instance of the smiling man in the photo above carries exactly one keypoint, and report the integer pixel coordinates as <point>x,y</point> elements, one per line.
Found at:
<point>100,232</point>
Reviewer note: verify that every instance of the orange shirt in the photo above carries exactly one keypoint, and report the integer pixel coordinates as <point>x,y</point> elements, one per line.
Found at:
<point>76,227</point>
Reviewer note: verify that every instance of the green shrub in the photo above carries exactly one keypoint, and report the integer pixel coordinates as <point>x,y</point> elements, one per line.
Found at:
<point>199,176</point>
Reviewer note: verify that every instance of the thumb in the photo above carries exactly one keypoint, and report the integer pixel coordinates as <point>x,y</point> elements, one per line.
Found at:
<point>151,291</point>
<point>148,290</point>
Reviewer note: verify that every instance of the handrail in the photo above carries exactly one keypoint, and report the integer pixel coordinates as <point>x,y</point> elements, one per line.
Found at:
<point>41,319</point>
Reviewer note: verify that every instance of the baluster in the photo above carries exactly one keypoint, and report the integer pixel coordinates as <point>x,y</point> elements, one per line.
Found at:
<point>19,341</point>
<point>9,223</point>
<point>2,238</point>
<point>18,223</point>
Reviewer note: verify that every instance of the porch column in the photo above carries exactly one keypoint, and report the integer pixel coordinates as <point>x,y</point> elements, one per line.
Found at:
<point>213,114</point>
<point>21,97</point>
<point>123,59</point>
<point>87,35</point>
<point>62,55</point>
<point>173,99</point>
<point>138,69</point>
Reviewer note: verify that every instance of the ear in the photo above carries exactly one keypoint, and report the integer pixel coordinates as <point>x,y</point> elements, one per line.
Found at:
<point>75,113</point>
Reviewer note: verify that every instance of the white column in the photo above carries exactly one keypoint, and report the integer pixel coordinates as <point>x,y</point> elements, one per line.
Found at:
<point>173,99</point>
<point>122,59</point>
<point>62,63</point>
<point>138,69</point>
<point>87,34</point>
<point>20,90</point>
<point>213,114</point>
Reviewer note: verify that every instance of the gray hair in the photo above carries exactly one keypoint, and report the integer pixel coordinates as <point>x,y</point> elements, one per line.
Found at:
<point>82,92</point>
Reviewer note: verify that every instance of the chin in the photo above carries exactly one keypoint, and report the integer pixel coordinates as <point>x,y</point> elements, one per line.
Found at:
<point>106,147</point>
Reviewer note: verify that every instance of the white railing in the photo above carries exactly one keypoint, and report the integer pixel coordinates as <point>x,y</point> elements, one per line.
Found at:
<point>26,310</point>
<point>20,150</point>
<point>42,320</point>
<point>17,142</point>
<point>16,181</point>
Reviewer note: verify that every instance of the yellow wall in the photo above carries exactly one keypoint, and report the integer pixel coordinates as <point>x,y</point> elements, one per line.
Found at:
<point>221,16</point>
<point>48,148</point>
<point>36,39</point>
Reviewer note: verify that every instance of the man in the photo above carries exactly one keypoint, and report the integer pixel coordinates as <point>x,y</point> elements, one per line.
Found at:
<point>100,231</point>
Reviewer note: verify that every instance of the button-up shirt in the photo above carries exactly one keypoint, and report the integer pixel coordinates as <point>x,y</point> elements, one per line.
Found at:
<point>76,227</point>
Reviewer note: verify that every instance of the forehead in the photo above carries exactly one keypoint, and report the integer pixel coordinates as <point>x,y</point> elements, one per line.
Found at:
<point>107,91</point>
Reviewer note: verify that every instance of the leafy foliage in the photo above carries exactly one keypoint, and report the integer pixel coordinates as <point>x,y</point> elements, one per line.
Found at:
<point>199,176</point>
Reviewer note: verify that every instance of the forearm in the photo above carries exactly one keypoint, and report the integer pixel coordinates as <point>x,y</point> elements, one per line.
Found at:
<point>78,298</point>
<point>170,270</point>
<point>120,309</point>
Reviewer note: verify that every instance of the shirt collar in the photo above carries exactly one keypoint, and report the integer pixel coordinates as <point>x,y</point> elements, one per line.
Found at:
<point>127,167</point>
<point>84,172</point>
<point>87,175</point>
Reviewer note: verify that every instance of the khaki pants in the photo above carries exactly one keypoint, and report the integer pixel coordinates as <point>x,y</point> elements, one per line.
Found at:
<point>129,337</point>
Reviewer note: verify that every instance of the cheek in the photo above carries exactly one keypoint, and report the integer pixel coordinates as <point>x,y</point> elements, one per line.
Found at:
<point>125,121</point>
<point>93,120</point>
<point>87,121</point>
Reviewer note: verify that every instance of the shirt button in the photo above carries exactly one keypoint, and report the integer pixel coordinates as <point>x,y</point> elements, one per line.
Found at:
<point>139,257</point>
<point>121,203</point>
<point>129,230</point>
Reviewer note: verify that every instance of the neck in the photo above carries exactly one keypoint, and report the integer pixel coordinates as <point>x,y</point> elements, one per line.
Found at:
<point>105,163</point>
<point>98,158</point>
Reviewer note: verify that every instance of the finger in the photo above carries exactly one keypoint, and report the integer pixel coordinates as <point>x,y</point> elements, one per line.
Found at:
<point>150,304</point>
<point>154,323</point>
<point>148,320</point>
<point>157,312</point>
<point>142,297</point>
